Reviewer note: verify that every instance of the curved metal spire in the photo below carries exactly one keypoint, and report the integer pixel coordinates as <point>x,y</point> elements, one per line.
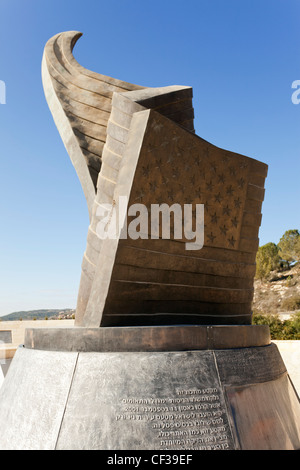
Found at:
<point>80,102</point>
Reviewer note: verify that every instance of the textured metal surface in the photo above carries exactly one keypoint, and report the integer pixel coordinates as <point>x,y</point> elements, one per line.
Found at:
<point>149,400</point>
<point>110,177</point>
<point>33,398</point>
<point>165,338</point>
<point>154,158</point>
<point>170,401</point>
<point>85,99</point>
<point>249,365</point>
<point>94,130</point>
<point>158,281</point>
<point>267,415</point>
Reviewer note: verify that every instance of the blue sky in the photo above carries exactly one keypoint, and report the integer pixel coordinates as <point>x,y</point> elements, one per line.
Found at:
<point>240,57</point>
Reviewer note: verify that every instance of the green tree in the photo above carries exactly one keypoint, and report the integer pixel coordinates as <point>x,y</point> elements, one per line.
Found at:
<point>289,246</point>
<point>274,323</point>
<point>267,260</point>
<point>282,330</point>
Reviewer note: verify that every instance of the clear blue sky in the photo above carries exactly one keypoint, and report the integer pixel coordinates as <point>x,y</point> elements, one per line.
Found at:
<point>240,57</point>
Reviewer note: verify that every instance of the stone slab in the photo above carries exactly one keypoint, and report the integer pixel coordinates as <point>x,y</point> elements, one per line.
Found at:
<point>18,328</point>
<point>33,398</point>
<point>171,401</point>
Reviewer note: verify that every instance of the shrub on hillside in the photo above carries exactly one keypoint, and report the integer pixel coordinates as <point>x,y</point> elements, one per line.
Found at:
<point>291,303</point>
<point>279,330</point>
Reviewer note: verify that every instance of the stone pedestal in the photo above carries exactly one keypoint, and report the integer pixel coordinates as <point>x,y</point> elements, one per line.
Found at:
<point>144,388</point>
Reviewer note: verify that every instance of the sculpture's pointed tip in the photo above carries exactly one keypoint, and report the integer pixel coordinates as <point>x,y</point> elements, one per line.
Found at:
<point>73,37</point>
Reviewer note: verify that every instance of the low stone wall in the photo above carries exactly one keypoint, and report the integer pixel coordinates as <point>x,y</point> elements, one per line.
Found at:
<point>17,329</point>
<point>14,331</point>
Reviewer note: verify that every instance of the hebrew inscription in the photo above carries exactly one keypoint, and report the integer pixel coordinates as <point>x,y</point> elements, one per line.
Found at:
<point>192,419</point>
<point>237,367</point>
<point>143,400</point>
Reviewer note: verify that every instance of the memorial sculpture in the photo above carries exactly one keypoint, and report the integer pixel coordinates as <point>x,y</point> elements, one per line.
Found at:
<point>170,165</point>
<point>163,354</point>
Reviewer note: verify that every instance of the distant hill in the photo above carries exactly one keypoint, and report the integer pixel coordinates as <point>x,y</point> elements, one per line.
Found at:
<point>39,315</point>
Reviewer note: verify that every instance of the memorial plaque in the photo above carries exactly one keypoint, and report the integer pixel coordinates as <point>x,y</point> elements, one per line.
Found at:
<point>172,401</point>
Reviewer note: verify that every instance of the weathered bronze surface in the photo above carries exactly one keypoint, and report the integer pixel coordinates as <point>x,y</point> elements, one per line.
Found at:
<point>163,400</point>
<point>147,338</point>
<point>130,141</point>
